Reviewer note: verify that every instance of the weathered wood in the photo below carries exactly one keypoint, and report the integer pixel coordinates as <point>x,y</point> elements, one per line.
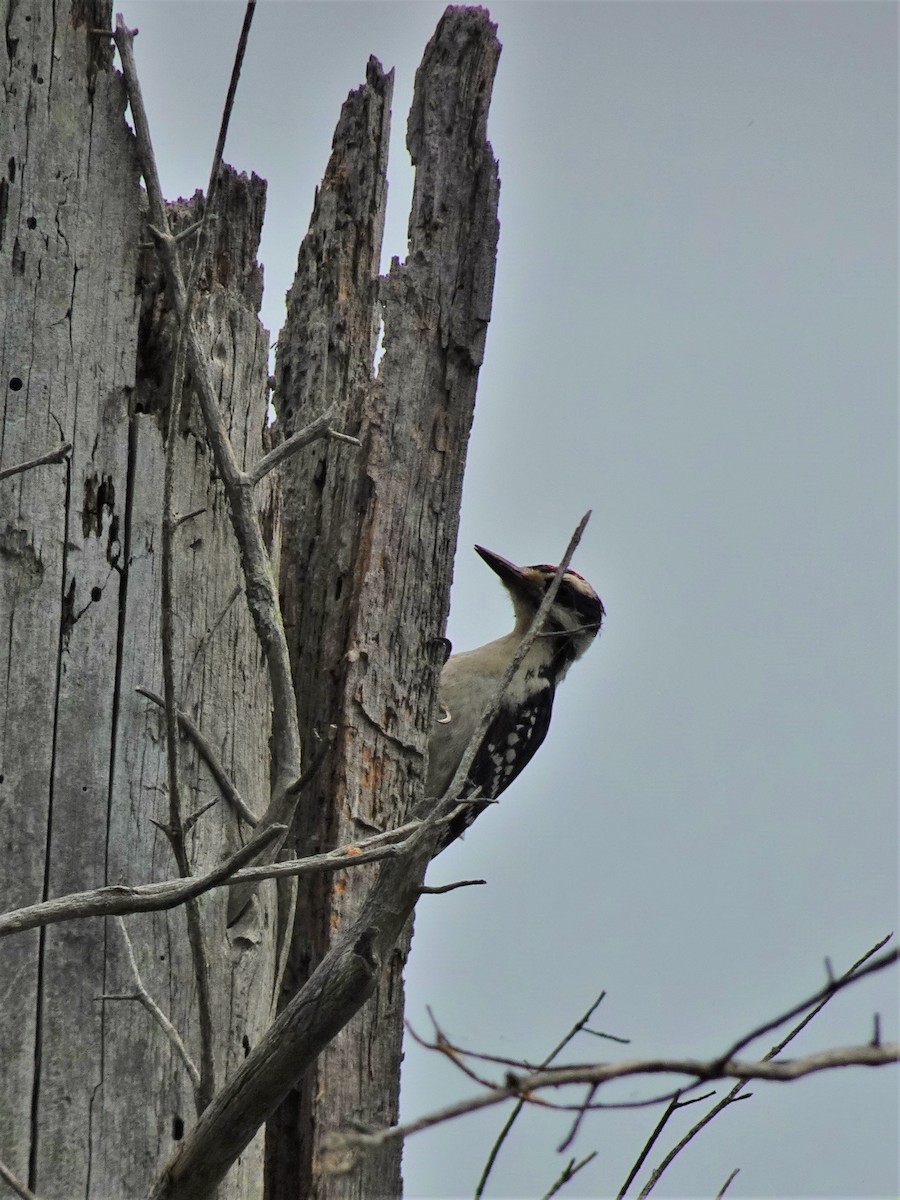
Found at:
<point>221,683</point>
<point>92,1097</point>
<point>69,209</point>
<point>324,359</point>
<point>370,538</point>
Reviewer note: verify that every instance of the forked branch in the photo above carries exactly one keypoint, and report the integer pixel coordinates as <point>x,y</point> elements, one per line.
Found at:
<point>526,1087</point>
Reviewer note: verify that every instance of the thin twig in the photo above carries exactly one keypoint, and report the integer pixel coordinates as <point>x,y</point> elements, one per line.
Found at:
<point>674,1103</point>
<point>315,758</point>
<point>520,1104</point>
<point>585,1107</point>
<point>229,101</point>
<point>442,1045</point>
<point>200,961</point>
<point>209,756</point>
<point>197,512</point>
<point>286,916</point>
<point>608,1037</point>
<point>54,456</point>
<point>819,999</point>
<point>728,1182</point>
<point>144,997</point>
<point>440,889</point>
<point>570,1170</point>
<point>319,428</point>
<point>207,637</point>
<point>192,820</point>
<point>25,1193</point>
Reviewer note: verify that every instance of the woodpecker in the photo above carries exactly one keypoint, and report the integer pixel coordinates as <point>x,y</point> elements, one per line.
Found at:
<point>469,680</point>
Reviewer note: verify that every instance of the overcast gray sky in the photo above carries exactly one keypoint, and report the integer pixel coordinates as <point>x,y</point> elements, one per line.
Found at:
<point>693,333</point>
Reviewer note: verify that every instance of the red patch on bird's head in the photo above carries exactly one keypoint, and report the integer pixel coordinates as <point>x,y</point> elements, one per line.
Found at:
<point>554,566</point>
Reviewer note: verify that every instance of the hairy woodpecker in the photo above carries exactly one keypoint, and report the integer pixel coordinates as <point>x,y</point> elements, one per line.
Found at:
<point>469,679</point>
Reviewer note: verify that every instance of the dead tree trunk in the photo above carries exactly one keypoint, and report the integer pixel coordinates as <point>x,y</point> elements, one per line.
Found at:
<point>369,539</point>
<point>94,1098</point>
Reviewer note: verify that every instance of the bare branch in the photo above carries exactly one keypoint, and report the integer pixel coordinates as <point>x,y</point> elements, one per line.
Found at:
<point>442,1045</point>
<point>209,756</point>
<point>227,108</point>
<point>287,913</point>
<point>457,1055</point>
<point>583,1109</point>
<point>851,975</point>
<point>352,1139</point>
<point>54,456</point>
<point>192,820</point>
<point>819,998</point>
<point>728,1182</point>
<point>674,1103</point>
<point>319,428</point>
<point>119,899</point>
<point>144,998</point>
<point>450,887</point>
<point>25,1193</point>
<point>570,1170</point>
<point>526,1086</point>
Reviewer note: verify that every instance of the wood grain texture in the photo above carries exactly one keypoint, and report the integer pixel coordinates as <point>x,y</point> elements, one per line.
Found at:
<point>221,683</point>
<point>370,537</point>
<point>90,1092</point>
<point>67,249</point>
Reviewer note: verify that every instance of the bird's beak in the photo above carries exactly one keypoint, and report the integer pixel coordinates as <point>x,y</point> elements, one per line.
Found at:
<point>512,576</point>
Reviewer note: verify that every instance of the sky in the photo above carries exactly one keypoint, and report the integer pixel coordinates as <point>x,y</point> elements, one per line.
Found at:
<point>694,335</point>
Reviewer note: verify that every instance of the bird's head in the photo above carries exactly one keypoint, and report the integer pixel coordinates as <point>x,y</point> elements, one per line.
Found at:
<point>576,614</point>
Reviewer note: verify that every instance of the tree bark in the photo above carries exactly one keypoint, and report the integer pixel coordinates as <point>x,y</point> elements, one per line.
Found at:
<point>370,536</point>
<point>92,1095</point>
<point>68,245</point>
